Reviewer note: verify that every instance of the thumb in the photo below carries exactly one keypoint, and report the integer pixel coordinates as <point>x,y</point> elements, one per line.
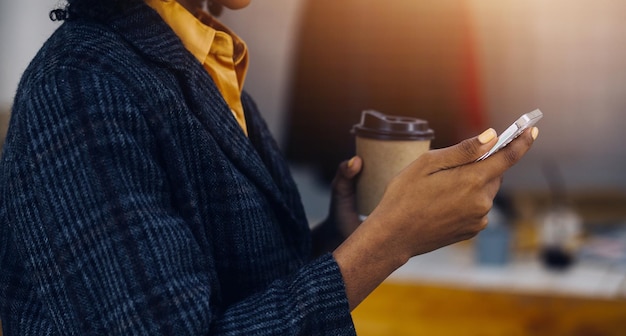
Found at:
<point>343,183</point>
<point>346,173</point>
<point>466,151</point>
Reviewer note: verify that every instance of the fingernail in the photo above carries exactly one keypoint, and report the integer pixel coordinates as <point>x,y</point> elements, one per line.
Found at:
<point>351,162</point>
<point>487,136</point>
<point>534,132</point>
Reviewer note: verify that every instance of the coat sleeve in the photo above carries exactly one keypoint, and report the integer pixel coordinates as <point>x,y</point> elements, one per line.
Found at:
<point>91,215</point>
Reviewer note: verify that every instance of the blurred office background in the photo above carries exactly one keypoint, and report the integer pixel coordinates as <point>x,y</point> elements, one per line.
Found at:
<point>464,65</point>
<point>566,57</point>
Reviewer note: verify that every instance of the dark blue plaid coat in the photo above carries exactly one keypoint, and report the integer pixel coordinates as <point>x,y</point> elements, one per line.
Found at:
<point>132,202</point>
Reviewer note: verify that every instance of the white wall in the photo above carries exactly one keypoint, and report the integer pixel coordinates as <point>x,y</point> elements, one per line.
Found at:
<point>24,26</point>
<point>269,28</point>
<point>566,57</point>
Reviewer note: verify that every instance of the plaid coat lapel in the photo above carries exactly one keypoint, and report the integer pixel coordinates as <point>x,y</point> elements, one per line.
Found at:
<point>264,166</point>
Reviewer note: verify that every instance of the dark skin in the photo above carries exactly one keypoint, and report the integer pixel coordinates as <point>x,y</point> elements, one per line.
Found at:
<point>215,5</point>
<point>443,197</point>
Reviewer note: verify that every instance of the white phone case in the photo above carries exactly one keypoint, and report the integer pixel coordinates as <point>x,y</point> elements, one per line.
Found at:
<point>525,121</point>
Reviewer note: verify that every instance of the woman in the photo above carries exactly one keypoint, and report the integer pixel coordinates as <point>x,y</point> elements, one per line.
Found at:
<point>143,194</point>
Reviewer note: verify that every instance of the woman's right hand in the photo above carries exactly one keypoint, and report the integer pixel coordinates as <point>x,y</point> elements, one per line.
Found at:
<point>441,198</point>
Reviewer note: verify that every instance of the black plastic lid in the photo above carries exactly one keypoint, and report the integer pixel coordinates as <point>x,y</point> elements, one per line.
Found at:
<point>376,125</point>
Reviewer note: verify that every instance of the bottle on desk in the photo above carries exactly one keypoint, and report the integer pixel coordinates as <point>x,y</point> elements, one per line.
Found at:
<point>560,233</point>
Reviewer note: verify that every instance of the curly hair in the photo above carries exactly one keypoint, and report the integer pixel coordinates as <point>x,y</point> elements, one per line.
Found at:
<point>103,9</point>
<point>97,9</point>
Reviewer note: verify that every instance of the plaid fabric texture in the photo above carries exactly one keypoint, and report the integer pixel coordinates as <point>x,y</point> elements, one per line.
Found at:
<point>133,204</point>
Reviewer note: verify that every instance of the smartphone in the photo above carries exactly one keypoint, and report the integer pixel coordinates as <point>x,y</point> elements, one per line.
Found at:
<point>525,121</point>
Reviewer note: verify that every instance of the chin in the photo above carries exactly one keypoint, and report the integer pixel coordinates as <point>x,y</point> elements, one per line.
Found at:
<point>234,4</point>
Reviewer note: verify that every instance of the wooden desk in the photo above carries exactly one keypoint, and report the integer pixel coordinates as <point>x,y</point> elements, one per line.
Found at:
<point>398,309</point>
<point>403,309</point>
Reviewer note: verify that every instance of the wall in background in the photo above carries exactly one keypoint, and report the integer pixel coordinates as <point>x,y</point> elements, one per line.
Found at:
<point>566,57</point>
<point>269,28</point>
<point>569,59</point>
<point>24,26</point>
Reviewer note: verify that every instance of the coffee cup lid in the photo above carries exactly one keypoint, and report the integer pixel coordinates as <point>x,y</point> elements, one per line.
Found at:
<point>377,125</point>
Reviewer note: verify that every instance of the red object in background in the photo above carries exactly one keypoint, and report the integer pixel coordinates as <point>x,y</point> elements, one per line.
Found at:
<point>471,81</point>
<point>406,58</point>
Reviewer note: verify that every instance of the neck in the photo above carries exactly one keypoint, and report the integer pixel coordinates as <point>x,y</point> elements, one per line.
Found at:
<point>192,5</point>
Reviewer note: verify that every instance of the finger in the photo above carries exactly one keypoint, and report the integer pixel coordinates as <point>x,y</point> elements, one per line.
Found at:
<point>343,183</point>
<point>508,156</point>
<point>465,152</point>
<point>352,167</point>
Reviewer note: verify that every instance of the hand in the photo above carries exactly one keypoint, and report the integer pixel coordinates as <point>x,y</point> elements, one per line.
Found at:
<point>444,196</point>
<point>342,217</point>
<point>441,198</point>
<point>342,212</point>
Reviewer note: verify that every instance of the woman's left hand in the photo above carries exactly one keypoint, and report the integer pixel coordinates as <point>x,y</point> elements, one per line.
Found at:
<point>343,199</point>
<point>342,218</point>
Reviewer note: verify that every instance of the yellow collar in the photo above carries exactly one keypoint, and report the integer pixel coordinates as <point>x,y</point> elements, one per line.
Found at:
<point>222,53</point>
<point>199,33</point>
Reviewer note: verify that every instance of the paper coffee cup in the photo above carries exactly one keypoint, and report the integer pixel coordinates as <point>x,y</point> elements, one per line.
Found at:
<point>386,144</point>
